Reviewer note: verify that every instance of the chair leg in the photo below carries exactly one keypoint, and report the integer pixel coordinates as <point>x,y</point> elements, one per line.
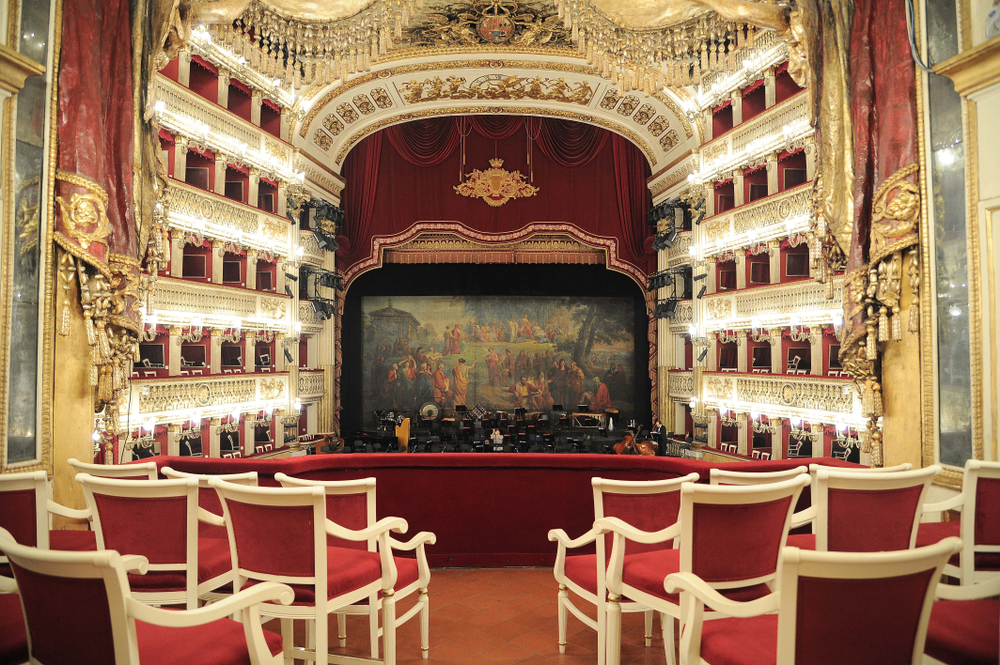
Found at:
<point>667,627</point>
<point>311,635</point>
<point>425,623</point>
<point>563,617</point>
<point>342,629</point>
<point>648,616</point>
<point>613,630</point>
<point>388,627</point>
<point>287,640</point>
<point>602,633</point>
<point>322,633</point>
<point>373,623</point>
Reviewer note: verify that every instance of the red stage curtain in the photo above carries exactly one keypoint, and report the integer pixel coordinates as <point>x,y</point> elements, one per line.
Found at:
<point>634,198</point>
<point>359,193</point>
<point>426,142</point>
<point>568,144</point>
<point>496,126</point>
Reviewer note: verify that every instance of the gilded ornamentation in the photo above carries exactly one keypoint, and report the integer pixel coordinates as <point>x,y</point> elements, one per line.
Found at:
<point>381,98</point>
<point>347,113</point>
<point>271,388</point>
<point>497,87</point>
<point>496,185</point>
<point>800,394</point>
<point>323,140</point>
<point>85,216</point>
<point>364,104</point>
<point>644,113</point>
<point>610,99</point>
<point>720,388</point>
<point>669,140</point>
<point>333,125</point>
<point>681,384</point>
<point>894,220</point>
<point>719,309</point>
<point>628,105</point>
<point>490,22</point>
<point>658,125</point>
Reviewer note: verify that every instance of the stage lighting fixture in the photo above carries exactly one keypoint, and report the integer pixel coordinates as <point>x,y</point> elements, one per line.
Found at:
<point>292,277</point>
<point>288,356</point>
<point>701,292</point>
<point>331,280</point>
<point>288,289</point>
<point>660,280</point>
<point>702,355</point>
<point>671,237</point>
<point>666,309</point>
<point>701,216</point>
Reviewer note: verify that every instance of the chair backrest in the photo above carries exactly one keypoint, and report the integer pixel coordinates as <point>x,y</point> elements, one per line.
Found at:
<point>727,477</point>
<point>732,536</point>
<point>23,512</point>
<point>208,498</point>
<point>350,503</point>
<point>980,528</point>
<point>74,605</point>
<point>869,512</point>
<point>157,519</point>
<point>823,593</point>
<point>276,534</point>
<point>649,505</point>
<point>136,471</point>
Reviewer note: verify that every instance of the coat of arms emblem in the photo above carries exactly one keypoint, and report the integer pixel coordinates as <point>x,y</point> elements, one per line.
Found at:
<point>495,185</point>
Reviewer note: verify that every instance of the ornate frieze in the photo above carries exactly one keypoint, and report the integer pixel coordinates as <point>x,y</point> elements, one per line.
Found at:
<point>777,216</point>
<point>809,397</point>
<point>774,306</point>
<point>177,301</point>
<point>680,252</point>
<point>497,87</point>
<point>681,384</point>
<point>174,399</point>
<point>311,385</point>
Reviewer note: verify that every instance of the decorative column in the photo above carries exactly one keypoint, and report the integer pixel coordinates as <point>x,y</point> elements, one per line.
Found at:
<point>254,187</point>
<point>279,278</point>
<point>711,280</point>
<point>218,254</point>
<point>176,253</point>
<point>220,174</point>
<point>707,115</point>
<point>709,199</point>
<point>769,89</point>
<point>774,256</point>
<point>777,366</point>
<point>184,68</point>
<point>255,102</point>
<point>816,351</point>
<point>173,439</point>
<point>741,354</point>
<point>247,435</point>
<point>713,353</point>
<point>174,356</point>
<point>738,189</point>
<point>742,434</point>
<point>741,269</point>
<point>680,422</point>
<point>252,268</point>
<point>279,353</point>
<point>810,161</point>
<point>214,436</point>
<point>713,429</point>
<point>180,157</point>
<point>223,93</point>
<point>285,124</point>
<point>777,440</point>
<point>772,174</point>
<point>816,433</point>
<point>249,352</point>
<point>215,348</point>
<point>737,98</point>
<point>282,198</point>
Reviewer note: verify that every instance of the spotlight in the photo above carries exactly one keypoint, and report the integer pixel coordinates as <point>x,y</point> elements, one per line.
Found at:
<point>288,356</point>
<point>671,237</point>
<point>326,241</point>
<point>660,280</point>
<point>702,355</point>
<point>701,292</point>
<point>292,277</point>
<point>288,289</point>
<point>700,277</point>
<point>666,309</point>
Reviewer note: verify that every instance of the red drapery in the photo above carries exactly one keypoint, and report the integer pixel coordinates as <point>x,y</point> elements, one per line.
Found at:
<point>388,190</point>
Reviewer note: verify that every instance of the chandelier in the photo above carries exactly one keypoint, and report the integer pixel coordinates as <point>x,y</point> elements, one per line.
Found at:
<point>649,59</point>
<point>299,52</point>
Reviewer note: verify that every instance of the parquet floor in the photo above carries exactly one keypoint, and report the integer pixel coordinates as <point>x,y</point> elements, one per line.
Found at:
<point>499,615</point>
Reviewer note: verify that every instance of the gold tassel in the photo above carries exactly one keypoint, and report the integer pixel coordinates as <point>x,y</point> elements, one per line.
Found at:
<point>914,325</point>
<point>93,374</point>
<point>897,325</point>
<point>91,334</point>
<point>876,399</point>
<point>883,325</point>
<point>867,400</point>
<point>870,353</point>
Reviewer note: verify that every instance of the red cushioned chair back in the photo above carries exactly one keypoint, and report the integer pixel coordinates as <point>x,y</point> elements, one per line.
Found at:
<point>350,511</point>
<point>69,620</point>
<point>17,515</point>
<point>887,524</point>
<point>827,628</point>
<point>274,540</point>
<point>208,499</point>
<point>737,542</point>
<point>648,512</point>
<point>987,529</point>
<point>154,527</point>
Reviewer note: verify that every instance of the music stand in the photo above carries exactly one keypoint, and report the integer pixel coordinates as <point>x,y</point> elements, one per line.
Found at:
<point>557,407</point>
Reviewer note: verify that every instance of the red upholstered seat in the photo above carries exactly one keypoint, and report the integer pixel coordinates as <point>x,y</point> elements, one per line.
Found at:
<point>929,533</point>
<point>218,643</point>
<point>73,540</point>
<point>13,640</point>
<point>582,570</point>
<point>347,570</point>
<point>749,641</point>
<point>964,632</point>
<point>407,573</point>
<point>804,541</point>
<point>213,560</point>
<point>646,572</point>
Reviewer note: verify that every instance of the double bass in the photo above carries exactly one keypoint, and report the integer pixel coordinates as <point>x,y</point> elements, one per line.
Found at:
<point>629,446</point>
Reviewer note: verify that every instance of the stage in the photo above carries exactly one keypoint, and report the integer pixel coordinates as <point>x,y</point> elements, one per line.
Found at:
<point>486,509</point>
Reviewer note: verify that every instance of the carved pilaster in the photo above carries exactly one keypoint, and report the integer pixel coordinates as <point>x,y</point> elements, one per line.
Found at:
<point>223,89</point>
<point>772,174</point>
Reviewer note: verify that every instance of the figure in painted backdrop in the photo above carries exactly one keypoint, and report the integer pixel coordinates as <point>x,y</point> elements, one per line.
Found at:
<point>442,386</point>
<point>600,399</point>
<point>461,382</point>
<point>423,385</point>
<point>493,361</point>
<point>525,395</point>
<point>575,380</point>
<point>391,388</point>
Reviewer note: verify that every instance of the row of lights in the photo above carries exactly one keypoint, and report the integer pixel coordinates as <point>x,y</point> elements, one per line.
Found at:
<point>792,132</point>
<point>256,241</point>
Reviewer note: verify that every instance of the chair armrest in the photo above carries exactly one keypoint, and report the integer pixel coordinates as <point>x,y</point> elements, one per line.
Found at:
<point>135,564</point>
<point>70,513</point>
<point>384,525</point>
<point>697,587</point>
<point>561,537</point>
<point>978,591</point>
<point>954,503</point>
<point>258,593</point>
<point>615,525</point>
<point>419,540</point>
<point>210,518</point>
<point>803,517</point>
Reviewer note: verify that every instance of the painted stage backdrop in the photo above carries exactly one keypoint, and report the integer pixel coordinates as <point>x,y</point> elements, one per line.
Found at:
<point>498,352</point>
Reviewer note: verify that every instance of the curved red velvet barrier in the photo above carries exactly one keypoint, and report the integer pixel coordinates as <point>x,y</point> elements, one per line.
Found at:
<point>487,509</point>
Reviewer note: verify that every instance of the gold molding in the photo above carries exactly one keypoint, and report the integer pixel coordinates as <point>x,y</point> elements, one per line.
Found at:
<point>406,116</point>
<point>15,68</point>
<point>973,69</point>
<point>6,264</point>
<point>975,294</point>
<point>992,286</point>
<point>669,166</point>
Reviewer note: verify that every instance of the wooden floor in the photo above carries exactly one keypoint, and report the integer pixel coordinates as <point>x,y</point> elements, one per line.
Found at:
<point>499,615</point>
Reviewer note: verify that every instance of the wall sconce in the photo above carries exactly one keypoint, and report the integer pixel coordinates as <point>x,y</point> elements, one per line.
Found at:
<point>728,417</point>
<point>798,333</point>
<point>259,420</point>
<point>798,429</point>
<point>191,428</point>
<point>727,336</point>
<point>757,332</point>
<point>233,425</point>
<point>846,436</point>
<point>235,333</point>
<point>760,427</point>
<point>148,335</point>
<point>195,331</point>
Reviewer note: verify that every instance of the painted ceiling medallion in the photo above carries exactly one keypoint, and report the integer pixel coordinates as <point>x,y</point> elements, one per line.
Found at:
<point>495,25</point>
<point>496,185</point>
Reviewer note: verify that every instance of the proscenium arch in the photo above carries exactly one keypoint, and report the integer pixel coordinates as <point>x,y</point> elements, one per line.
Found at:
<point>335,118</point>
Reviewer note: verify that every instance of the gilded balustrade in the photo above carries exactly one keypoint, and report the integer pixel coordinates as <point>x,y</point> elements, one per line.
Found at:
<point>177,398</point>
<point>681,385</point>
<point>812,398</point>
<point>179,302</point>
<point>311,385</point>
<point>680,252</point>
<point>776,216</point>
<point>774,305</point>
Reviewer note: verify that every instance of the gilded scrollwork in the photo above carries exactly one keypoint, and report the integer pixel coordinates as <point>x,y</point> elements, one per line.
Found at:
<point>497,87</point>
